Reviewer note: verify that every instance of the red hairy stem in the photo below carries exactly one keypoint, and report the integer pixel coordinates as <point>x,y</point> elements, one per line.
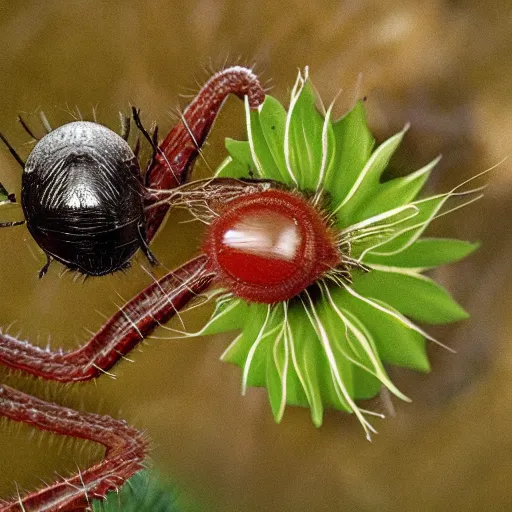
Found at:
<point>180,148</point>
<point>126,448</point>
<point>129,326</point>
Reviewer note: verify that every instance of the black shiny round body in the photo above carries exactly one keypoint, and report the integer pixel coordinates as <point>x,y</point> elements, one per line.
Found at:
<point>82,196</point>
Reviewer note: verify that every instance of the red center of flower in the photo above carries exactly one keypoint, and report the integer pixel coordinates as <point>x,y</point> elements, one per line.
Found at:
<point>269,246</point>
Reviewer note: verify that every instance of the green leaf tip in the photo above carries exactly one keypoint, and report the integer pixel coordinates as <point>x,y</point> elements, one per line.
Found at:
<point>328,347</point>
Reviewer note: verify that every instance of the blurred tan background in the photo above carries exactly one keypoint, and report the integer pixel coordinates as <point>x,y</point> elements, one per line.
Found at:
<point>445,67</point>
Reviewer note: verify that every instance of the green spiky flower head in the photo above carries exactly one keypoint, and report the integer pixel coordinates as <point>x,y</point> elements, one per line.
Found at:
<point>328,346</point>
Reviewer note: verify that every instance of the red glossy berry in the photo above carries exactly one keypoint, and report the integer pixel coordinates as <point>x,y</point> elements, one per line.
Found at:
<point>270,246</point>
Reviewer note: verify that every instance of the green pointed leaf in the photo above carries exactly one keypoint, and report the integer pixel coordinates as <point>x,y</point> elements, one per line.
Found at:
<point>335,388</point>
<point>362,337</point>
<point>272,117</point>
<point>305,359</point>
<point>370,233</point>
<point>304,138</point>
<point>295,393</point>
<point>230,168</point>
<point>229,315</point>
<point>395,193</point>
<point>407,232</point>
<point>266,166</point>
<point>395,342</point>
<point>360,341</point>
<point>341,398</point>
<point>240,151</point>
<point>415,296</point>
<point>240,164</point>
<point>239,349</point>
<point>277,366</point>
<point>254,365</point>
<point>426,253</point>
<point>341,347</point>
<point>355,366</point>
<point>362,190</point>
<point>354,144</point>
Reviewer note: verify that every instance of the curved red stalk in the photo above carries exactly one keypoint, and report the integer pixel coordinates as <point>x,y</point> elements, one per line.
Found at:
<point>126,449</point>
<point>181,147</point>
<point>118,336</point>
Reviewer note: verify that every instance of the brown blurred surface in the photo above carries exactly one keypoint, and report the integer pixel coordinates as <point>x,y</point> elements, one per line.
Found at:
<point>445,67</point>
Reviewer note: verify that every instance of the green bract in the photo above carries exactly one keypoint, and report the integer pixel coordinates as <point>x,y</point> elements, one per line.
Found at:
<point>328,346</point>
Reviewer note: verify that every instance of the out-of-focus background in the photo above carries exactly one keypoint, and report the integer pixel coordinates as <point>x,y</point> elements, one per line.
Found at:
<point>442,65</point>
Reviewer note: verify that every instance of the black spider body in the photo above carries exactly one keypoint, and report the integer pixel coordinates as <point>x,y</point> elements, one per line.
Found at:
<point>82,196</point>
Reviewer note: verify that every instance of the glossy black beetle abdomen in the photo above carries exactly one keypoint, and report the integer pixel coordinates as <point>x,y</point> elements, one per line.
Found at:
<point>82,196</point>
